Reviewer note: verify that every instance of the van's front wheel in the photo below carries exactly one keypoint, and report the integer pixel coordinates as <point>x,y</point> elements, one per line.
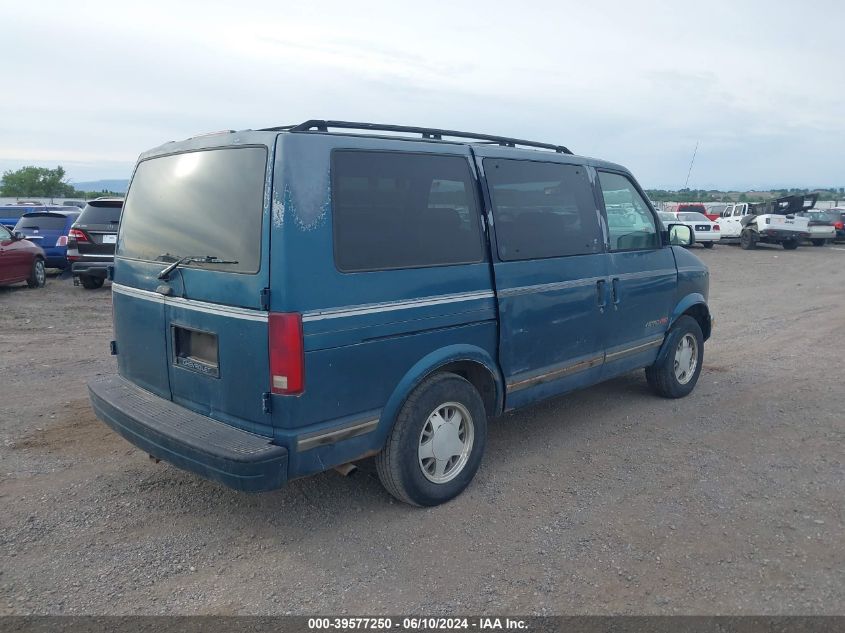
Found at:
<point>436,445</point>
<point>676,373</point>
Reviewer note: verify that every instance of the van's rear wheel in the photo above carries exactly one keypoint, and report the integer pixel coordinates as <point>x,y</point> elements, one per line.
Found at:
<point>676,374</point>
<point>436,444</point>
<point>790,245</point>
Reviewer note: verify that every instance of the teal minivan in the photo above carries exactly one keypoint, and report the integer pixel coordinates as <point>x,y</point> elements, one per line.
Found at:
<point>294,299</point>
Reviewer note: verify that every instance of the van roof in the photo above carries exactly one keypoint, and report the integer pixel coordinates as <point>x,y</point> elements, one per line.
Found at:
<point>377,131</point>
<point>430,134</point>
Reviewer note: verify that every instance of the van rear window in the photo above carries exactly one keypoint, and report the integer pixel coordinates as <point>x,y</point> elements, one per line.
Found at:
<point>205,203</point>
<point>401,210</point>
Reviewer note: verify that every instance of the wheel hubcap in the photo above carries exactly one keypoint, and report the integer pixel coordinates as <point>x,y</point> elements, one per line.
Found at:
<point>445,442</point>
<point>39,273</point>
<point>686,359</point>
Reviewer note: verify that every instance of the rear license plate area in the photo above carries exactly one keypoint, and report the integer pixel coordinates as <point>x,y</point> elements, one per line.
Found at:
<point>702,227</point>
<point>196,350</point>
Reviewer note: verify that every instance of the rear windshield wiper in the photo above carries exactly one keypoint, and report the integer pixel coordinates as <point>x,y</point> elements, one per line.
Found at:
<point>195,259</point>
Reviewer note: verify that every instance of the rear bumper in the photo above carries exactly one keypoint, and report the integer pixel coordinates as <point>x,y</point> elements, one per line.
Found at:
<point>241,460</point>
<point>93,269</point>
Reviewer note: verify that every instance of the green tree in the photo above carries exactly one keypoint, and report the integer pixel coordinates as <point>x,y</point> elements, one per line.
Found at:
<point>33,181</point>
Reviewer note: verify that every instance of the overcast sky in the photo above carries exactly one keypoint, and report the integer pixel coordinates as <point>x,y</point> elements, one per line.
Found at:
<point>761,85</point>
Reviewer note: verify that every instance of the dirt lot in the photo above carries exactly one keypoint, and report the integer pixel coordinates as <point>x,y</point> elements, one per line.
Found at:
<point>605,501</point>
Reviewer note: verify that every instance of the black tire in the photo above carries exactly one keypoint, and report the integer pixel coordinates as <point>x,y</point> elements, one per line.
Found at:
<point>747,240</point>
<point>91,283</point>
<point>399,466</point>
<point>818,242</point>
<point>661,376</point>
<point>790,245</point>
<point>708,244</point>
<point>38,274</point>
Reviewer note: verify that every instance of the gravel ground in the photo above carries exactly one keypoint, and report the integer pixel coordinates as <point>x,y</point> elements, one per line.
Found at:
<point>609,500</point>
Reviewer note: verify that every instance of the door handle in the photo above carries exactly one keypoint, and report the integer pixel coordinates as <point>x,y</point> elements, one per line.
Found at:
<point>614,291</point>
<point>600,293</point>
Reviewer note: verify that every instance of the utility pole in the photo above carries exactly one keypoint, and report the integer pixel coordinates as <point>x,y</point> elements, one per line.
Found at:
<point>686,184</point>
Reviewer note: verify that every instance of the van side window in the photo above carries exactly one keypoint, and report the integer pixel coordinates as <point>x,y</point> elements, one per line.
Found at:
<point>401,210</point>
<point>542,209</point>
<point>629,221</point>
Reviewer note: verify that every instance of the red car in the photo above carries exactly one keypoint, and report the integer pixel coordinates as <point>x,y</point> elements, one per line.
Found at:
<point>20,260</point>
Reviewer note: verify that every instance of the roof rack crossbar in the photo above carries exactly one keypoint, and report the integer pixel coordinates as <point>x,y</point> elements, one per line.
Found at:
<point>426,133</point>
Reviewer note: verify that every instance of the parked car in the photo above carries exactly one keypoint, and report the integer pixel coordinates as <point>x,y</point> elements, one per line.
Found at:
<point>11,213</point>
<point>822,225</point>
<point>839,221</point>
<point>20,260</point>
<point>49,229</point>
<point>775,222</point>
<point>706,231</point>
<point>294,299</point>
<point>91,241</point>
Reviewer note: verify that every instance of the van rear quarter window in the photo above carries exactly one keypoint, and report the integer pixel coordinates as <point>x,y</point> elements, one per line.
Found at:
<point>542,209</point>
<point>208,202</point>
<point>401,210</point>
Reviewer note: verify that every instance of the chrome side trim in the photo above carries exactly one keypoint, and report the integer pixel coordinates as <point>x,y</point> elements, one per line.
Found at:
<point>192,304</point>
<point>388,306</point>
<point>322,438</point>
<point>557,373</point>
<point>549,287</point>
<point>129,291</point>
<point>645,274</point>
<point>636,349</point>
<point>583,365</point>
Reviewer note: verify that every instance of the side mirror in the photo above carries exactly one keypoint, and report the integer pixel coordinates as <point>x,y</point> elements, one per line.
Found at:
<point>681,235</point>
<point>18,235</point>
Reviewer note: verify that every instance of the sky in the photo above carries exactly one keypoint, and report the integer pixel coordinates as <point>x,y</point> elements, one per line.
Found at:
<point>760,86</point>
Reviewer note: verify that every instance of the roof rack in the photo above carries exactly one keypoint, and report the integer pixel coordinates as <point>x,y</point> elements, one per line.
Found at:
<point>427,133</point>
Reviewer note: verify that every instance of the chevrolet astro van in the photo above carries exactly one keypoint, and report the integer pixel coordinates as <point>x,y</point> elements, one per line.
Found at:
<point>294,299</point>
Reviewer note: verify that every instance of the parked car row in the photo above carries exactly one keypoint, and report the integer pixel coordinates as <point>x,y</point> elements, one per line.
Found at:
<point>61,237</point>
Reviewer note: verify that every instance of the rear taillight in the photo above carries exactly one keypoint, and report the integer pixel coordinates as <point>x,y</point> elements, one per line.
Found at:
<point>716,227</point>
<point>287,359</point>
<point>839,226</point>
<point>77,235</point>
<point>62,241</point>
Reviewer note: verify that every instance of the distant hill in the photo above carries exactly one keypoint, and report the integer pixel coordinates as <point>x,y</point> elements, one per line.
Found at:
<point>117,185</point>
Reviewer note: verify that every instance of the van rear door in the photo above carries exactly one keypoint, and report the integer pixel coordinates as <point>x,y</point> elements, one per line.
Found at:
<point>198,335</point>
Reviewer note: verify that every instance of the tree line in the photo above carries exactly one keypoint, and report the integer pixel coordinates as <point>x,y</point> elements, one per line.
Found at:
<point>714,195</point>
<point>42,182</point>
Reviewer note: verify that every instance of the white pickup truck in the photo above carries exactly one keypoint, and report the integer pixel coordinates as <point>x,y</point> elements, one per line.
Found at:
<point>772,222</point>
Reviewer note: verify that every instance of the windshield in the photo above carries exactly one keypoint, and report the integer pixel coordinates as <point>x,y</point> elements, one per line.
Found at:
<point>42,222</point>
<point>821,217</point>
<point>693,217</point>
<point>197,203</point>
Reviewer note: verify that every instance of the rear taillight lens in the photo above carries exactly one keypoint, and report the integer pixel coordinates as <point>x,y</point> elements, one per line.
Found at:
<point>77,235</point>
<point>716,227</point>
<point>840,225</point>
<point>287,358</point>
<point>62,241</point>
